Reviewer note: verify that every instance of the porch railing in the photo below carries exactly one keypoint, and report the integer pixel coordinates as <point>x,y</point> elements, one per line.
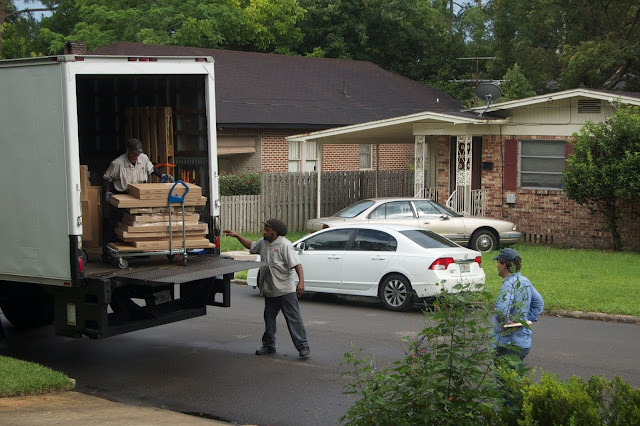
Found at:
<point>474,205</point>
<point>430,193</point>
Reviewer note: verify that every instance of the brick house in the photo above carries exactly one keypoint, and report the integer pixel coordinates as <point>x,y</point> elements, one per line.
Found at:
<point>505,161</point>
<point>263,98</point>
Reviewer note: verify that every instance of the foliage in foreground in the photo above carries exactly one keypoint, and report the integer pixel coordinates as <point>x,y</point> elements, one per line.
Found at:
<point>448,378</point>
<point>19,377</point>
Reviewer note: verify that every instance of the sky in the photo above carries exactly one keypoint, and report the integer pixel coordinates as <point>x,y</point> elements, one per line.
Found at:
<point>21,4</point>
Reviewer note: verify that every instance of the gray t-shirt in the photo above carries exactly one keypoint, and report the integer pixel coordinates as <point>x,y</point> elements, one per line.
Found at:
<point>279,278</point>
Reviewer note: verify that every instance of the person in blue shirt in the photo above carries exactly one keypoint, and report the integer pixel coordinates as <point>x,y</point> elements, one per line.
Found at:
<point>518,303</point>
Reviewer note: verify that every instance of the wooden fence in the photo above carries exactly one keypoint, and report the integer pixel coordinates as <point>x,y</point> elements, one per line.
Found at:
<point>292,197</point>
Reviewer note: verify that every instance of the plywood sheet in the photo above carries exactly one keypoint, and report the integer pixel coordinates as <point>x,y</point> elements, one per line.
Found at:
<point>161,245</point>
<point>201,227</point>
<point>128,237</point>
<point>125,201</point>
<point>153,191</point>
<point>133,219</point>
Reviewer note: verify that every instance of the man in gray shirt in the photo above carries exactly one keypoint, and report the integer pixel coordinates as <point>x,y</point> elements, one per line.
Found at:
<point>277,285</point>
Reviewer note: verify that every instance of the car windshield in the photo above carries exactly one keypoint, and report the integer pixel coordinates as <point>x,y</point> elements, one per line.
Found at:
<point>355,209</point>
<point>428,239</point>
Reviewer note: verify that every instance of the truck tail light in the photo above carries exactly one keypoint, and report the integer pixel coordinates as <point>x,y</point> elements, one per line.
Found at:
<point>217,242</point>
<point>80,264</point>
<point>478,260</point>
<point>441,263</point>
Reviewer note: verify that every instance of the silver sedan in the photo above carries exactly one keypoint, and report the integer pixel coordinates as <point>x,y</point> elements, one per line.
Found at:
<point>478,233</point>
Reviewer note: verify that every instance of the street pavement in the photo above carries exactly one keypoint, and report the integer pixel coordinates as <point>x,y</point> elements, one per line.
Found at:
<point>75,408</point>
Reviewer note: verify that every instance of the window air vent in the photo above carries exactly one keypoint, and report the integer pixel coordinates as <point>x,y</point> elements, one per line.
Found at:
<point>589,106</point>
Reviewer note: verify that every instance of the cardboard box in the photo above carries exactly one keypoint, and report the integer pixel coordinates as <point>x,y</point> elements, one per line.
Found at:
<point>92,218</point>
<point>84,183</point>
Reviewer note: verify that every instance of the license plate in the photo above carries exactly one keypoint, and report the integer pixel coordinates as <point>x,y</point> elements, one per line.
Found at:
<point>465,267</point>
<point>162,297</point>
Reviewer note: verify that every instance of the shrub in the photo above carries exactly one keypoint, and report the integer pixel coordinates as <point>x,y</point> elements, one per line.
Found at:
<point>444,378</point>
<point>245,184</point>
<point>447,378</point>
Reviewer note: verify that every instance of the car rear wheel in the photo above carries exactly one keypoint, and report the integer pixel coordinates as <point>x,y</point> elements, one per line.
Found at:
<point>484,240</point>
<point>396,293</point>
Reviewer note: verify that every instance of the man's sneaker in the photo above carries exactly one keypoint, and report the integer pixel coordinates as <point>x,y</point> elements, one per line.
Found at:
<point>265,351</point>
<point>304,352</point>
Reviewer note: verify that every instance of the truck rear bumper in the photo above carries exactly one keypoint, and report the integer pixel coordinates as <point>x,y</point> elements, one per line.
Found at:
<point>111,301</point>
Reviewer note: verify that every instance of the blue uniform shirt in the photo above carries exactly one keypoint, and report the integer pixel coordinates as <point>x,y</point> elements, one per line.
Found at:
<point>518,301</point>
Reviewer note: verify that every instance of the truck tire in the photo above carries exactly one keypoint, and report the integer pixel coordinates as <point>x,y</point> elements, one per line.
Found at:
<point>26,305</point>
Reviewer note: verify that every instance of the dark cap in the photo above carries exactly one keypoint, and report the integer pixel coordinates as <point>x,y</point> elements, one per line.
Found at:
<point>278,225</point>
<point>135,146</point>
<point>507,254</point>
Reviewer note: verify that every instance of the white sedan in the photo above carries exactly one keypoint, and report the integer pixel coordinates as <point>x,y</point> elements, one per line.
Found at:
<point>396,263</point>
<point>478,233</point>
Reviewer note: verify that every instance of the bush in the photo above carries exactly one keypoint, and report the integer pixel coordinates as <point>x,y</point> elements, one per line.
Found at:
<point>448,377</point>
<point>246,184</point>
<point>444,379</point>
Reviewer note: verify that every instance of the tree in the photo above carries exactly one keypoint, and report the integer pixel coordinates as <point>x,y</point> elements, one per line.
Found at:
<point>516,85</point>
<point>603,173</point>
<point>568,44</point>
<point>9,13</point>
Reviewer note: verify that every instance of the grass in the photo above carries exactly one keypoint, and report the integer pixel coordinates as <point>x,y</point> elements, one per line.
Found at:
<point>27,378</point>
<point>577,279</point>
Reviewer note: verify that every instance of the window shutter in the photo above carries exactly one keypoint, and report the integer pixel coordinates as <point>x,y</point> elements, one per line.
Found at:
<point>510,174</point>
<point>568,149</point>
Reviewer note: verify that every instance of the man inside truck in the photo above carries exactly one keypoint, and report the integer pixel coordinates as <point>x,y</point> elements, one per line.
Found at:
<point>130,168</point>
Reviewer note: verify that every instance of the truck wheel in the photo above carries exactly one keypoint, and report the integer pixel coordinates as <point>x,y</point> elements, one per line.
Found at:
<point>26,305</point>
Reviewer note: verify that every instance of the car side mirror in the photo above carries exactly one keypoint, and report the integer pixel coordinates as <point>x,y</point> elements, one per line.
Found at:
<point>301,246</point>
<point>445,217</point>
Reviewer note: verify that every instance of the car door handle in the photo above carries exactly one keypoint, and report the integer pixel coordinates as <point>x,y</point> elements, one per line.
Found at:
<point>334,257</point>
<point>426,222</point>
<point>378,258</point>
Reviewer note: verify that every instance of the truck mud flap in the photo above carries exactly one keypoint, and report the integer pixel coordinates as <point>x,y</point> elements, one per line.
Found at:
<point>117,302</point>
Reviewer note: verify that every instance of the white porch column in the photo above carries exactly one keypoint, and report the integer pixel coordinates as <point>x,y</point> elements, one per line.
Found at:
<point>462,200</point>
<point>319,170</point>
<point>419,162</point>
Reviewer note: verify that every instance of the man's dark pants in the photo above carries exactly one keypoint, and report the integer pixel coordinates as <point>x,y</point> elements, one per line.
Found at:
<point>288,304</point>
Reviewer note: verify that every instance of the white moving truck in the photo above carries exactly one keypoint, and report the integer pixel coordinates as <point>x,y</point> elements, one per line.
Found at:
<point>58,113</point>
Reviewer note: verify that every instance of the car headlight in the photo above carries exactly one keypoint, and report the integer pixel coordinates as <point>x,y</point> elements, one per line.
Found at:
<point>514,227</point>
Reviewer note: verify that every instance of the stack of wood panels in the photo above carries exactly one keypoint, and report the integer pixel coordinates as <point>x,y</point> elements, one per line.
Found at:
<point>145,222</point>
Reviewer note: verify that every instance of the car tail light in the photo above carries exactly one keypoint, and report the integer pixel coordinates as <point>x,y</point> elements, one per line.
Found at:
<point>441,263</point>
<point>478,260</point>
<point>325,226</point>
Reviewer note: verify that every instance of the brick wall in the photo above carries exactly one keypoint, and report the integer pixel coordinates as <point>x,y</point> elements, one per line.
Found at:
<point>272,153</point>
<point>547,216</point>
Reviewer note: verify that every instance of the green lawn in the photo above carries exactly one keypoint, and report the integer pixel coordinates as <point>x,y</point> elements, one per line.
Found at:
<point>27,378</point>
<point>571,279</point>
<point>577,279</point>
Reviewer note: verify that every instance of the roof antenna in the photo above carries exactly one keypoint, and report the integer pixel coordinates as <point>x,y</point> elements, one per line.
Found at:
<point>488,92</point>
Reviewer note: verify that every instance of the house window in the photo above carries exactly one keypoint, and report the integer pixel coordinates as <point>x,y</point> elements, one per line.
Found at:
<point>303,156</point>
<point>541,163</point>
<point>366,156</point>
<point>295,155</point>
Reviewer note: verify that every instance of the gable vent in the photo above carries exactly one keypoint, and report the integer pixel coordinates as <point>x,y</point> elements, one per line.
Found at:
<point>589,106</point>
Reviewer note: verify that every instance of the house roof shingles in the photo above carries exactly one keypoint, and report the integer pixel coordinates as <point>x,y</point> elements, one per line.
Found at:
<point>259,89</point>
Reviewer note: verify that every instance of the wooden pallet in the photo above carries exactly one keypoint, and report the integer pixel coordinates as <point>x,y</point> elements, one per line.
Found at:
<point>153,126</point>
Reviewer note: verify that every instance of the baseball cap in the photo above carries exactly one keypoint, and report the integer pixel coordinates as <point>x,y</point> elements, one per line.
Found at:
<point>507,254</point>
<point>134,146</point>
<point>278,225</point>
